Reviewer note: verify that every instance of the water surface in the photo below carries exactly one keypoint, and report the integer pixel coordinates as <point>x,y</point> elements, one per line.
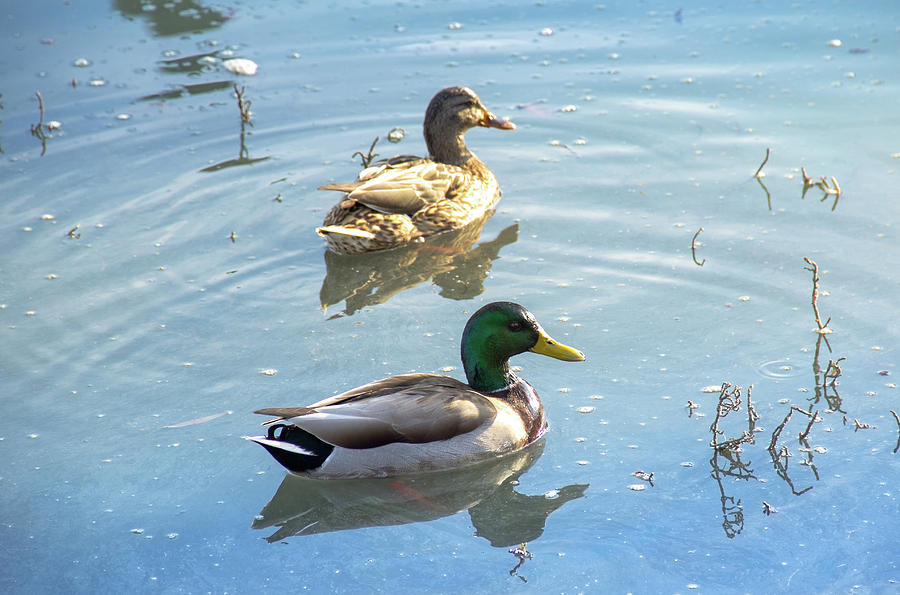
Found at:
<point>158,268</point>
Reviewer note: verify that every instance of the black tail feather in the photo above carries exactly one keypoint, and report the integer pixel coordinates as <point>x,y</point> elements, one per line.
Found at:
<point>293,461</point>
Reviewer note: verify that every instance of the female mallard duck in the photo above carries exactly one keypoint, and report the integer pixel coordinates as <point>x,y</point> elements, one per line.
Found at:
<point>424,422</point>
<point>401,199</point>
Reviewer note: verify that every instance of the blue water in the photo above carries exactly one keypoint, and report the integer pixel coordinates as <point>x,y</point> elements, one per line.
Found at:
<point>194,290</point>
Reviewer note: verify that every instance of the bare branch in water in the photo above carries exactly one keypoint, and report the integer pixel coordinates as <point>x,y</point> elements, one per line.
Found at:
<point>822,328</point>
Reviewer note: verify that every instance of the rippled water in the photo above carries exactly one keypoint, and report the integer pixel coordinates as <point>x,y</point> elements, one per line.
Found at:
<point>161,279</point>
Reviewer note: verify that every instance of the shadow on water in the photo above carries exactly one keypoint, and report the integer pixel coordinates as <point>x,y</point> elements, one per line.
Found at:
<point>168,19</point>
<point>499,513</point>
<point>449,259</point>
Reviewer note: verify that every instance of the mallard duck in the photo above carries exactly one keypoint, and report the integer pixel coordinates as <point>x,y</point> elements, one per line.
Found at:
<point>424,422</point>
<point>398,200</point>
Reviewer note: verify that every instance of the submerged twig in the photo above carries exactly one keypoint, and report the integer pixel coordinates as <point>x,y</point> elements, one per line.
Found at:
<point>693,249</point>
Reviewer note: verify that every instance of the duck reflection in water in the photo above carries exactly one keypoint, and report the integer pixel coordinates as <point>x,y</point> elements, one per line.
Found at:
<point>450,259</point>
<point>499,513</point>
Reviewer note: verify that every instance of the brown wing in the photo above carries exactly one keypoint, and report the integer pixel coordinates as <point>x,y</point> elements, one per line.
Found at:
<point>404,188</point>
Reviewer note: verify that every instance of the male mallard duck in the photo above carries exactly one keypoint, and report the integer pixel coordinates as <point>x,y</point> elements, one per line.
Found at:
<point>401,199</point>
<point>424,422</point>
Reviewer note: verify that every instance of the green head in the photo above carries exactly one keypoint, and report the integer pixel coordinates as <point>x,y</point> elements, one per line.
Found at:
<point>499,331</point>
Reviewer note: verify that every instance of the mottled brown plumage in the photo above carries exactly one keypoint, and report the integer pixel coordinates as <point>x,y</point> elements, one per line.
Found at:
<point>398,200</point>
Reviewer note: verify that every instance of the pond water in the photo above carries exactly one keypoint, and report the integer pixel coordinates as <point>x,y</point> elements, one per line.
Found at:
<point>160,279</point>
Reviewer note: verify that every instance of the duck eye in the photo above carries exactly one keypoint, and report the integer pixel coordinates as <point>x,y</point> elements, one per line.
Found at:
<point>515,326</point>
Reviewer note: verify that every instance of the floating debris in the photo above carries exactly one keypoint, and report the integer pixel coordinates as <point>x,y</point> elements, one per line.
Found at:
<point>241,66</point>
<point>645,476</point>
<point>396,134</point>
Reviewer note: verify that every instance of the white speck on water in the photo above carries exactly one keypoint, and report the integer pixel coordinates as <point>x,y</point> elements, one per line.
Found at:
<point>268,372</point>
<point>835,43</point>
<point>447,369</point>
<point>454,26</point>
<point>712,388</point>
<point>123,116</point>
<point>81,62</point>
<point>637,487</point>
<point>586,409</point>
<point>546,31</point>
<point>137,531</point>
